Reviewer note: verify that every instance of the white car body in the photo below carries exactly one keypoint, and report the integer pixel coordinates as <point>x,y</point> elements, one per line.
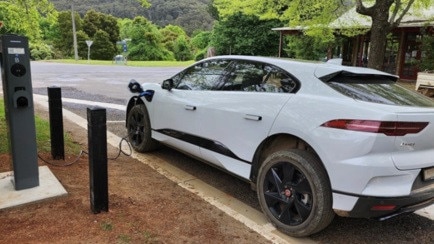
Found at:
<point>358,164</point>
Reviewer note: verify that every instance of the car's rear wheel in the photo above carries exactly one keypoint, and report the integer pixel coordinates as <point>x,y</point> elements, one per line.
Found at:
<point>294,192</point>
<point>139,129</point>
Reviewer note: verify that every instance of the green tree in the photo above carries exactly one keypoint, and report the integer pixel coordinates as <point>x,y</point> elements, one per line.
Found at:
<point>200,43</point>
<point>305,47</point>
<point>64,39</point>
<point>245,35</point>
<point>176,40</point>
<point>317,14</point>
<point>146,40</point>
<point>10,15</point>
<point>102,48</point>
<point>23,17</point>
<point>192,15</point>
<point>82,48</point>
<point>182,49</point>
<point>170,33</point>
<point>313,13</point>
<point>144,3</point>
<point>40,51</point>
<point>94,22</point>
<point>427,47</point>
<point>201,40</point>
<point>385,15</point>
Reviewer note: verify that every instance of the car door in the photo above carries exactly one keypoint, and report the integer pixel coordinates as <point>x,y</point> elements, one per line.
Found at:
<point>178,110</point>
<point>239,115</point>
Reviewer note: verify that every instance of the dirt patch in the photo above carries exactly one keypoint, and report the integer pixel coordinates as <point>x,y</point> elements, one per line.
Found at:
<point>144,207</point>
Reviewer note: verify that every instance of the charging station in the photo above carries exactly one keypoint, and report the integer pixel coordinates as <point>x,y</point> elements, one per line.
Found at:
<point>19,110</point>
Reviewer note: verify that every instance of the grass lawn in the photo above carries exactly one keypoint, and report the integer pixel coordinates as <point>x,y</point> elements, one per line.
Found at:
<point>42,135</point>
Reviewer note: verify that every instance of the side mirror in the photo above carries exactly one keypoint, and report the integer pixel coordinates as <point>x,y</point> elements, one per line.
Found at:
<point>135,87</point>
<point>167,84</point>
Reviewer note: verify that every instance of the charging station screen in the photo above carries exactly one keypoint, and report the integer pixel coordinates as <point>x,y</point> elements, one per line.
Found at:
<point>15,50</point>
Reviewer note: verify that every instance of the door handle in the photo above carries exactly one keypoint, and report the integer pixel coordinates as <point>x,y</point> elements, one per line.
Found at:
<point>253,117</point>
<point>190,107</point>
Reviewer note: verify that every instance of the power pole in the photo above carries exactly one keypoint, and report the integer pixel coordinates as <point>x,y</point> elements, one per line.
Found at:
<point>74,32</point>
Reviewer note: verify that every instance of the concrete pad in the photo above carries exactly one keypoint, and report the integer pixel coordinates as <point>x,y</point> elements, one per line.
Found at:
<point>49,187</point>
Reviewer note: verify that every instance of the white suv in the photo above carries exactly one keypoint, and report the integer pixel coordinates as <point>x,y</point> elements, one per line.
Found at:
<point>314,139</point>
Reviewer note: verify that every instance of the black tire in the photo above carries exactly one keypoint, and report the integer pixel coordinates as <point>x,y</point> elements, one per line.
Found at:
<point>139,129</point>
<point>294,192</point>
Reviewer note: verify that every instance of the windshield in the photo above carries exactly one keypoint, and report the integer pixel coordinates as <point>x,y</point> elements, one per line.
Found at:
<point>378,89</point>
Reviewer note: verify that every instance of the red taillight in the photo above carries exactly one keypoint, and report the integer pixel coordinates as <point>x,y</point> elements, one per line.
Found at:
<point>389,128</point>
<point>383,207</point>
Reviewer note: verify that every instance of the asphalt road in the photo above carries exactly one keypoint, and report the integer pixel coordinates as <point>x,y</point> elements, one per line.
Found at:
<point>108,84</point>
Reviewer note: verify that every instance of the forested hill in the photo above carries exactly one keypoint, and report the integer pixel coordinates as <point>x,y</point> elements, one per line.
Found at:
<point>190,14</point>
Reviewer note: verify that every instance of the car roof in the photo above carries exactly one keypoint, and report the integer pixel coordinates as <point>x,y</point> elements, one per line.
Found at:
<point>302,68</point>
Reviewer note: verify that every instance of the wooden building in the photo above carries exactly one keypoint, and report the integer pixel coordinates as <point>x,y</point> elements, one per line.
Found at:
<point>403,46</point>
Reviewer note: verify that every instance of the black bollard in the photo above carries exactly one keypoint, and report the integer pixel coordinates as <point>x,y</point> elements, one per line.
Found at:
<point>56,122</point>
<point>97,140</point>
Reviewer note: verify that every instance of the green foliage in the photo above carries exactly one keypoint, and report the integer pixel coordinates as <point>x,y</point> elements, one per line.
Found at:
<point>102,48</point>
<point>316,14</point>
<point>176,40</point>
<point>144,3</point>
<point>201,40</point>
<point>64,40</point>
<point>89,28</point>
<point>23,17</point>
<point>11,16</point>
<point>201,54</point>
<point>170,33</point>
<point>182,49</point>
<point>200,43</point>
<point>82,37</point>
<point>93,21</point>
<point>146,41</point>
<point>246,35</point>
<point>103,29</point>
<point>427,47</point>
<point>42,134</point>
<point>40,51</point>
<point>3,129</point>
<point>192,15</point>
<point>305,47</point>
<point>49,29</point>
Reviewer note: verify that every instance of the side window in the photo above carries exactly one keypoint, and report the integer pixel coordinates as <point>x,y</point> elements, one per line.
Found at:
<point>259,77</point>
<point>202,76</point>
<point>245,76</point>
<point>278,80</point>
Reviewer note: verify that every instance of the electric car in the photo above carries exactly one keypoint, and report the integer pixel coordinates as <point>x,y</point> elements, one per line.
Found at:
<point>313,139</point>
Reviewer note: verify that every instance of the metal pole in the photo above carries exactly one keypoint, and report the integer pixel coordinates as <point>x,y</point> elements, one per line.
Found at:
<point>56,122</point>
<point>74,32</point>
<point>97,140</point>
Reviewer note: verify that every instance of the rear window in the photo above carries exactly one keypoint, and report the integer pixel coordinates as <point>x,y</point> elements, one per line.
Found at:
<point>377,89</point>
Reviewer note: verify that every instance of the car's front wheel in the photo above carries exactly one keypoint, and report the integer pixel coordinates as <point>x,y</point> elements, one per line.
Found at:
<point>294,192</point>
<point>139,129</point>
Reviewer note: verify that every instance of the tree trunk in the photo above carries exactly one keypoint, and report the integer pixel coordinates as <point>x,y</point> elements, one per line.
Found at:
<point>377,48</point>
<point>379,30</point>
